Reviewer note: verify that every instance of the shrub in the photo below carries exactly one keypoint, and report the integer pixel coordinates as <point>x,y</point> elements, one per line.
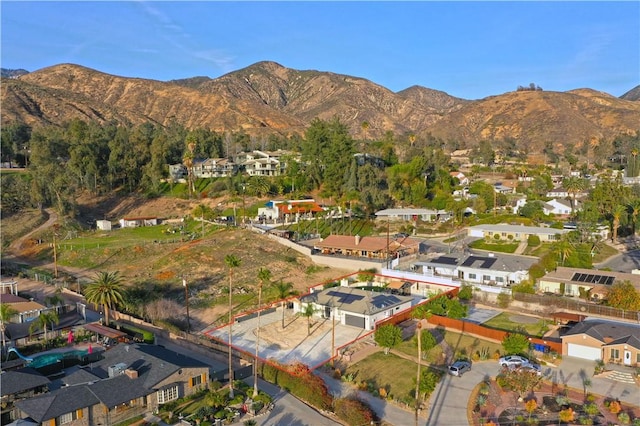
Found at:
<point>624,418</point>
<point>533,241</point>
<point>591,409</point>
<point>615,407</point>
<point>465,293</point>
<point>566,416</point>
<point>354,411</point>
<point>504,299</point>
<point>496,355</point>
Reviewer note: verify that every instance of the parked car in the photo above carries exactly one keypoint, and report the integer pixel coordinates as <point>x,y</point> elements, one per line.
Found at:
<point>512,360</point>
<point>531,368</point>
<point>458,368</point>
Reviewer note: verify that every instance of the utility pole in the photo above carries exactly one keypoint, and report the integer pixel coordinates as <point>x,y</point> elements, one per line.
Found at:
<point>55,251</point>
<point>419,332</point>
<point>333,337</point>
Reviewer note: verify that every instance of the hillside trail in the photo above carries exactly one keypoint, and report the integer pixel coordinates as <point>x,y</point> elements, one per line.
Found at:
<point>17,246</point>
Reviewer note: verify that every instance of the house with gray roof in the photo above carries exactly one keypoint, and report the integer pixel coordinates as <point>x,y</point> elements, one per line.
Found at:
<point>128,381</point>
<point>478,268</point>
<point>610,341</point>
<point>17,385</point>
<point>504,231</point>
<point>355,307</point>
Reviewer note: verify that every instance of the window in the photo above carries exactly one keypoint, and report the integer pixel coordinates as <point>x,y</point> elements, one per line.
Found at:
<point>615,353</point>
<point>66,418</point>
<point>499,279</point>
<point>168,394</point>
<point>472,276</point>
<point>196,380</point>
<point>486,278</point>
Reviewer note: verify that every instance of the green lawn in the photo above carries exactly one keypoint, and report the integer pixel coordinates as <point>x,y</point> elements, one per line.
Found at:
<point>461,344</point>
<point>382,371</point>
<point>499,247</point>
<point>502,322</point>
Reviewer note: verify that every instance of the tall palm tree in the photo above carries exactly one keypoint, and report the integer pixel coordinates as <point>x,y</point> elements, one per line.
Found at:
<point>284,291</point>
<point>232,262</point>
<point>6,313</point>
<point>617,214</point>
<point>43,320</point>
<point>574,185</point>
<point>264,275</point>
<point>107,290</point>
<point>634,210</point>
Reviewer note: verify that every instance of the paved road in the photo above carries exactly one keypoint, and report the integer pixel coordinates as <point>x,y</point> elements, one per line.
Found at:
<point>623,262</point>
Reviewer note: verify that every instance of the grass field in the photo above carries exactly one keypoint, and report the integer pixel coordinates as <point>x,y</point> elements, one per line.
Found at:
<point>375,371</point>
<point>503,322</point>
<point>498,247</point>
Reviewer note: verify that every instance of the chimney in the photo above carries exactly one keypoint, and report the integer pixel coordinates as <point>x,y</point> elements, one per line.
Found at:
<point>131,373</point>
<point>357,239</point>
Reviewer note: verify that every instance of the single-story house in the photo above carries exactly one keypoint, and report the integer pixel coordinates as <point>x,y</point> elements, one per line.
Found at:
<point>354,307</point>
<point>129,381</point>
<point>569,281</point>
<point>464,181</point>
<point>612,342</point>
<point>368,247</point>
<point>426,215</point>
<point>103,225</point>
<point>26,310</point>
<point>560,207</point>
<point>288,211</point>
<point>492,269</point>
<point>135,222</point>
<point>515,232</point>
<point>17,385</point>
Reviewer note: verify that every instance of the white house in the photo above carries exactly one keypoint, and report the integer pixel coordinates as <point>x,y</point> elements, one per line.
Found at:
<point>558,192</point>
<point>135,222</point>
<point>492,269</point>
<point>464,181</point>
<point>355,307</point>
<point>515,232</point>
<point>427,215</point>
<point>559,207</point>
<point>103,225</point>
<point>214,167</point>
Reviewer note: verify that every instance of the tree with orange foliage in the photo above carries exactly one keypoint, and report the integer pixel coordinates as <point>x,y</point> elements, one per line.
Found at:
<point>530,406</point>
<point>567,416</point>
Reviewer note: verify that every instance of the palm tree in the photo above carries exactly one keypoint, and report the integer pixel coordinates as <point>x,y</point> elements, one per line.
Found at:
<point>232,262</point>
<point>107,290</point>
<point>563,249</point>
<point>308,311</point>
<point>264,275</point>
<point>284,291</point>
<point>617,214</point>
<point>6,313</point>
<point>54,300</point>
<point>43,320</point>
<point>634,208</point>
<point>574,185</point>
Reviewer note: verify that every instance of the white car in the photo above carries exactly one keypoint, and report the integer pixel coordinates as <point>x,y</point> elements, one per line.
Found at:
<point>512,361</point>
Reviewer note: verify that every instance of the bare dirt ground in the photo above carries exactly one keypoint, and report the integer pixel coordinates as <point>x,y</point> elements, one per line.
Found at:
<point>201,260</point>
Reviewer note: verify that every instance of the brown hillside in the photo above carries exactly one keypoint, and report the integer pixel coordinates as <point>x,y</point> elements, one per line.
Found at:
<point>267,97</point>
<point>533,118</point>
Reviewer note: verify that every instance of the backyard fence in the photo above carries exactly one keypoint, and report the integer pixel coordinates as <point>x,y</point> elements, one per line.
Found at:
<point>571,304</point>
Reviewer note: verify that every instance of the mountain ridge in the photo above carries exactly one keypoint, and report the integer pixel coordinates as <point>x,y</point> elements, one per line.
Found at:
<point>267,97</point>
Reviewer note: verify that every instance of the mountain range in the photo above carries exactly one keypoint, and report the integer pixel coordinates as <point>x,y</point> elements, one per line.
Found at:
<point>269,98</point>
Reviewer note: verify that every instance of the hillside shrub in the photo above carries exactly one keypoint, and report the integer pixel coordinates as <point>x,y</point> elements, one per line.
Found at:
<point>533,241</point>
<point>354,411</point>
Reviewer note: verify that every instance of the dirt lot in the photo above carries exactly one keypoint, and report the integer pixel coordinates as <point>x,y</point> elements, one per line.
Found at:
<point>202,261</point>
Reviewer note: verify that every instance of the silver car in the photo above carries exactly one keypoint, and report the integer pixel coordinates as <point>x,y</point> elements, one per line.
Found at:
<point>458,368</point>
<point>512,361</point>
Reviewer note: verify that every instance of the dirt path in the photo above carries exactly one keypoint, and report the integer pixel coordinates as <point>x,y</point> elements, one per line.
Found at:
<point>17,245</point>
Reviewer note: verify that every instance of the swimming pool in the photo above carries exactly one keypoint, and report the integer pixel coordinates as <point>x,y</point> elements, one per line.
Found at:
<point>52,358</point>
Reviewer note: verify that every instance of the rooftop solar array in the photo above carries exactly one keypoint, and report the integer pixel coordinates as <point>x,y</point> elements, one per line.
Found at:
<point>487,262</point>
<point>383,300</point>
<point>593,278</point>
<point>346,298</point>
<point>446,260</point>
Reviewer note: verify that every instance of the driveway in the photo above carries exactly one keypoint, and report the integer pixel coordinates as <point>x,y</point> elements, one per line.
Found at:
<point>624,262</point>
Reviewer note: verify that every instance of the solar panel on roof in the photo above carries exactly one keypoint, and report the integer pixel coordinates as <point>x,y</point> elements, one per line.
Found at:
<point>602,279</point>
<point>589,278</point>
<point>488,263</point>
<point>575,276</point>
<point>383,300</point>
<point>609,280</point>
<point>346,298</point>
<point>446,260</point>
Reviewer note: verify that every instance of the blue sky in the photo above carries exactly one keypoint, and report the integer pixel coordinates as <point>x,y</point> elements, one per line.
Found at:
<point>467,49</point>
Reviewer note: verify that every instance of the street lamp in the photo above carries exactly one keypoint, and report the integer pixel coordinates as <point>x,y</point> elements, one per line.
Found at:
<point>186,298</point>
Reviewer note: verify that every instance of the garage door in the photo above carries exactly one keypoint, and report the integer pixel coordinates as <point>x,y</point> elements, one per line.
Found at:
<point>354,320</point>
<point>584,352</point>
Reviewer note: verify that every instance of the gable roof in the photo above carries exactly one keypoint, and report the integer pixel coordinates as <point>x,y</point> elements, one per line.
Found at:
<point>373,244</point>
<point>355,300</point>
<point>17,381</point>
<point>55,404</point>
<point>608,332</point>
